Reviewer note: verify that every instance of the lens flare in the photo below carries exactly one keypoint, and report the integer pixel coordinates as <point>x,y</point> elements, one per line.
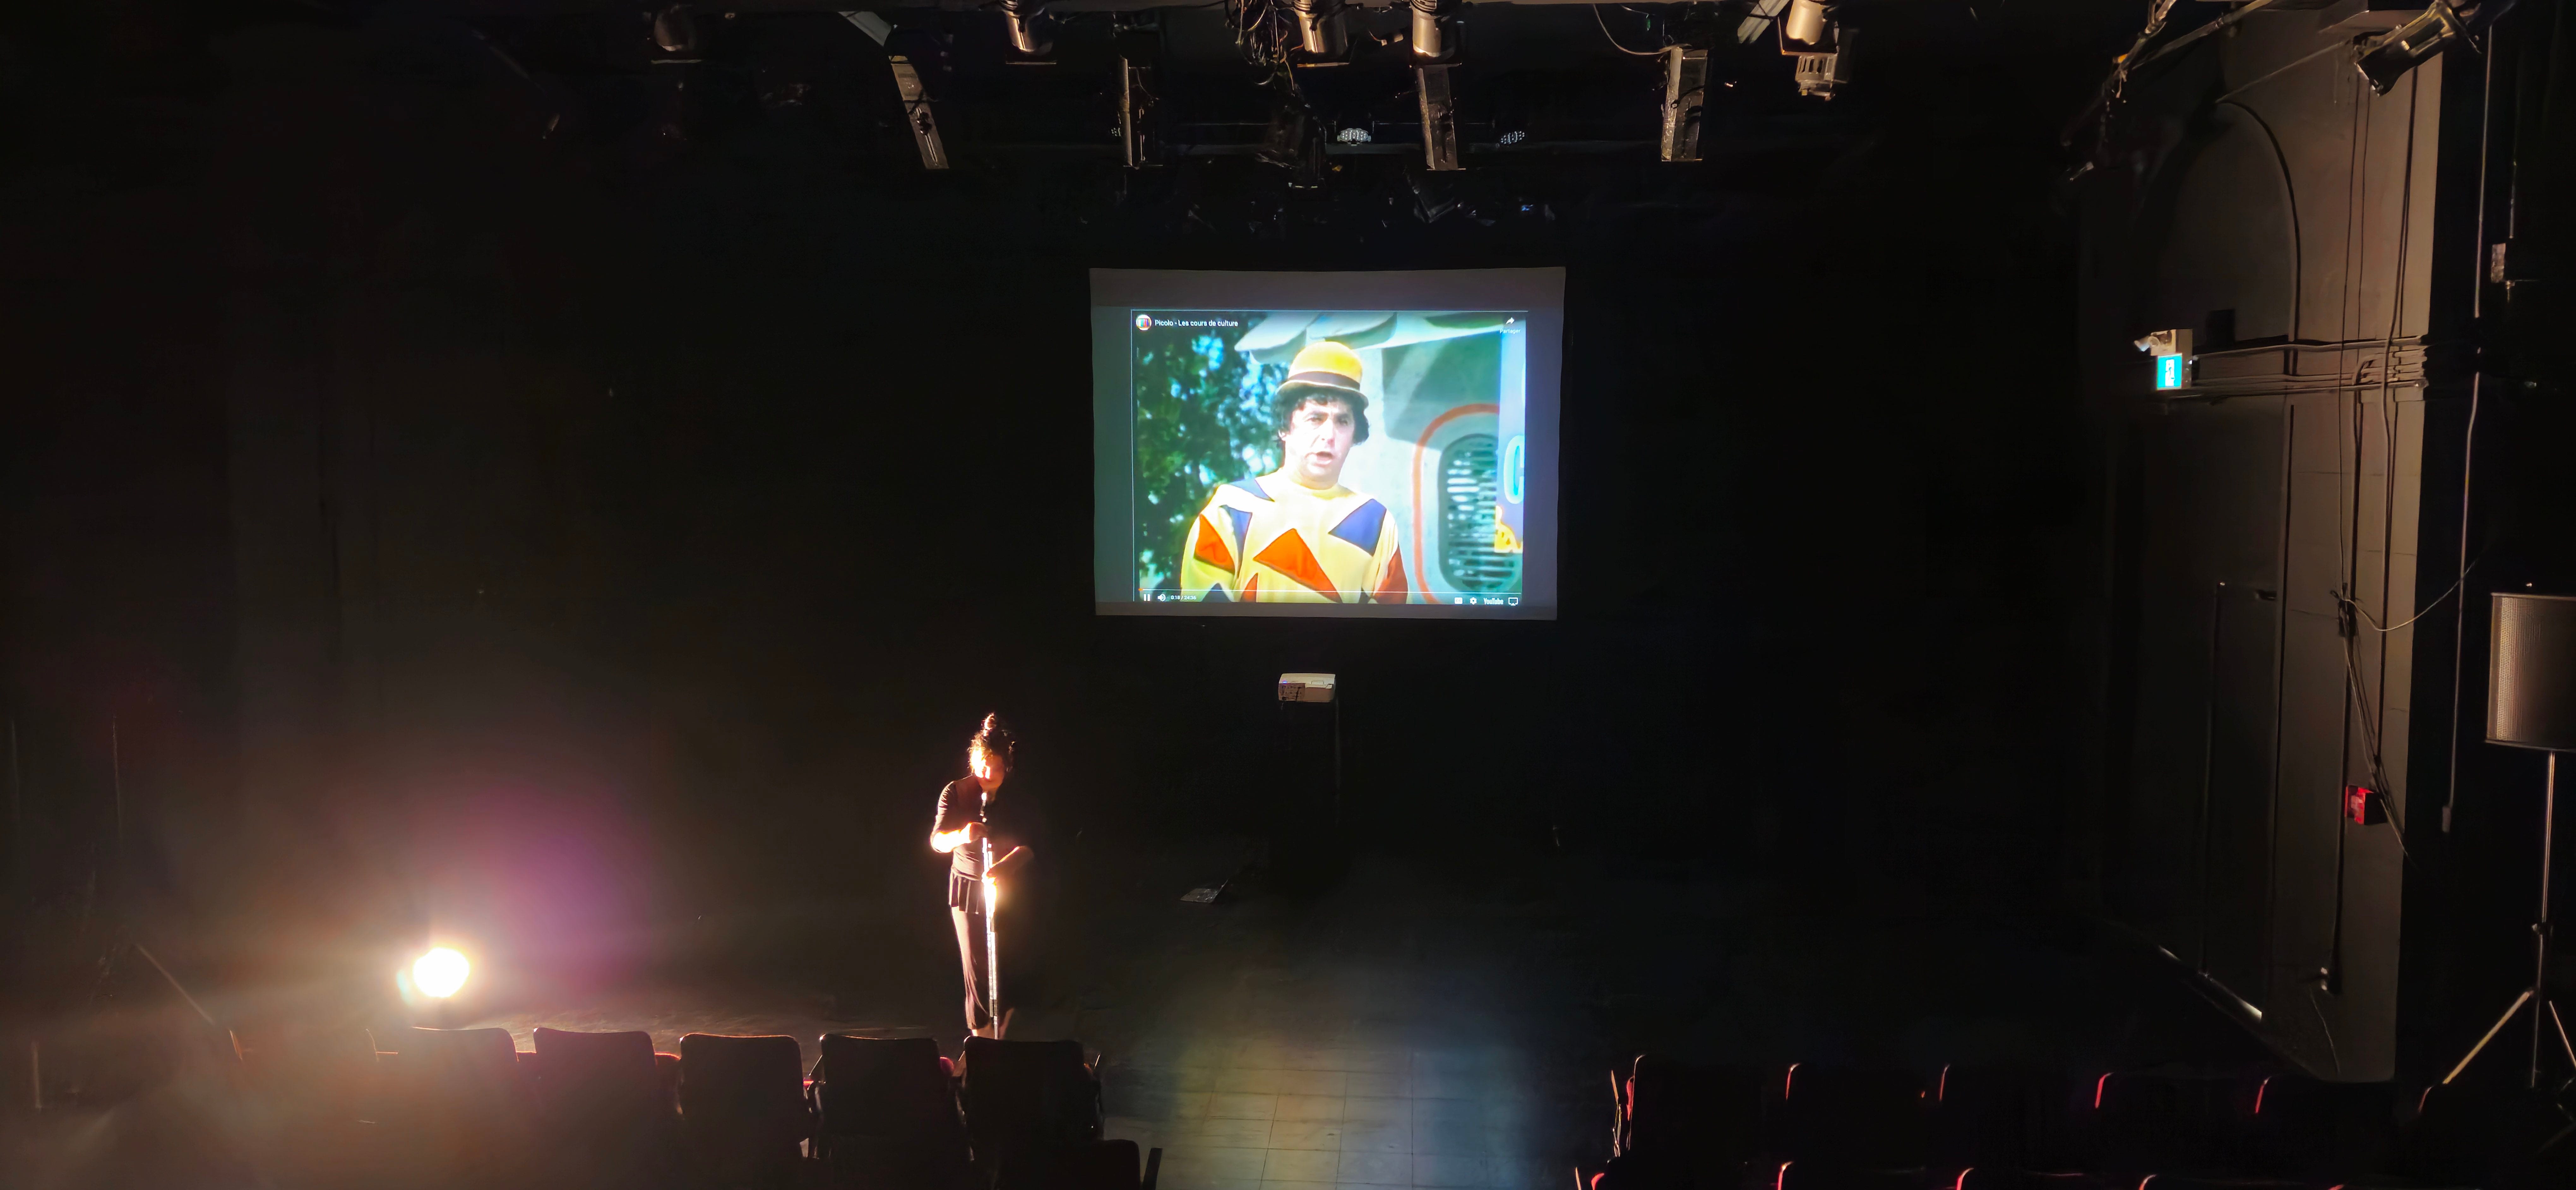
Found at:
<point>440,973</point>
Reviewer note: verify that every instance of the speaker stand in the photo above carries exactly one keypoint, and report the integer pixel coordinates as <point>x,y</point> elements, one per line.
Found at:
<point>2534,995</point>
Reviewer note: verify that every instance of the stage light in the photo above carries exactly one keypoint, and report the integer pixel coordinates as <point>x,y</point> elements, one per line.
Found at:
<point>2408,46</point>
<point>2170,342</point>
<point>1822,48</point>
<point>1433,28</point>
<point>1025,21</point>
<point>675,30</point>
<point>1806,22</point>
<point>1320,29</point>
<point>440,973</point>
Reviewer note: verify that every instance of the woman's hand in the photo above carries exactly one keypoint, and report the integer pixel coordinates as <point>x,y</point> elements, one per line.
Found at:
<point>972,831</point>
<point>1009,863</point>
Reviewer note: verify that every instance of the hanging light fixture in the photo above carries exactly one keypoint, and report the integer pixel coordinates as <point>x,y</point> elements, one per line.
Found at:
<point>1434,28</point>
<point>1821,46</point>
<point>675,30</point>
<point>2388,58</point>
<point>1026,23</point>
<point>1321,29</point>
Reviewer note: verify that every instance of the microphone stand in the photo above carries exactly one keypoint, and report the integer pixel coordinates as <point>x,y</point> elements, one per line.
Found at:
<point>992,947</point>
<point>2536,995</point>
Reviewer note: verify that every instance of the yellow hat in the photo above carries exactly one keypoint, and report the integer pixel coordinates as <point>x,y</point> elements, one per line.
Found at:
<point>1325,364</point>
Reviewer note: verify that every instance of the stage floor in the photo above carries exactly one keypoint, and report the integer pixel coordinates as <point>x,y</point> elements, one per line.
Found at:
<point>1391,1031</point>
<point>1453,1023</point>
<point>1384,1035</point>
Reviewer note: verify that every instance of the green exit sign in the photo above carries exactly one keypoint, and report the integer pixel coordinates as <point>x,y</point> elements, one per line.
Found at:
<point>2171,372</point>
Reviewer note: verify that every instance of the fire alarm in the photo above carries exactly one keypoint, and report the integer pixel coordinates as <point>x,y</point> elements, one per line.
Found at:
<point>2363,805</point>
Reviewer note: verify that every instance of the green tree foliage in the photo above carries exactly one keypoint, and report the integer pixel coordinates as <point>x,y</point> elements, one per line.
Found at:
<point>1202,419</point>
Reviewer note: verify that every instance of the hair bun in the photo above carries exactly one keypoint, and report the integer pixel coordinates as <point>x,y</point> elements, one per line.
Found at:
<point>994,739</point>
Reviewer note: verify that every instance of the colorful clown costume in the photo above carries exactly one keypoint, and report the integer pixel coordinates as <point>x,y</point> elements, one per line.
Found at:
<point>1273,540</point>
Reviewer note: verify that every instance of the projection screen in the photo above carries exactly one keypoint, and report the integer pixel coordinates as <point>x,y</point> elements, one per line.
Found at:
<point>1325,444</point>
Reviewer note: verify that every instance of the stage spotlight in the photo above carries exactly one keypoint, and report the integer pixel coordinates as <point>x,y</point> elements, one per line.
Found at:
<point>1434,28</point>
<point>440,973</point>
<point>1819,74</point>
<point>1026,22</point>
<point>675,30</point>
<point>2408,46</point>
<point>1822,48</point>
<point>1806,23</point>
<point>1320,29</point>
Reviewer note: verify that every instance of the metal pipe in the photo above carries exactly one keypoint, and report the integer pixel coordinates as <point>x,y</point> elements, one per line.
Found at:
<point>992,946</point>
<point>2540,928</point>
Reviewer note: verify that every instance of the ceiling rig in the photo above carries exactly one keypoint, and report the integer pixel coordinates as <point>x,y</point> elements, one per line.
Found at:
<point>1290,41</point>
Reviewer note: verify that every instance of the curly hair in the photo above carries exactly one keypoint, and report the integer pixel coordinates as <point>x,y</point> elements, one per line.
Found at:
<point>995,740</point>
<point>1293,397</point>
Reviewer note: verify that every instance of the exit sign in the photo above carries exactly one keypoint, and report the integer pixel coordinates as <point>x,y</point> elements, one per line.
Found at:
<point>2170,373</point>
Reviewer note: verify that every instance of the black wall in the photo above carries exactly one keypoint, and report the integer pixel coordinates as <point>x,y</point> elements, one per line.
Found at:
<point>466,523</point>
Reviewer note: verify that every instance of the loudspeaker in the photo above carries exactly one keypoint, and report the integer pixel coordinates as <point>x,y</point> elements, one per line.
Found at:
<point>2531,673</point>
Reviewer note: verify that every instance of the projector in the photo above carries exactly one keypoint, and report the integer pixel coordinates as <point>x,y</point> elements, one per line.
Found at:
<point>1305,687</point>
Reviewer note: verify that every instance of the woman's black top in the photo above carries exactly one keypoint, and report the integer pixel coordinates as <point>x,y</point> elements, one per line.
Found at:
<point>960,803</point>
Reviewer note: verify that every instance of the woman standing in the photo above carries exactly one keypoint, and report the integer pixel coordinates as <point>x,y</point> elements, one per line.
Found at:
<point>965,832</point>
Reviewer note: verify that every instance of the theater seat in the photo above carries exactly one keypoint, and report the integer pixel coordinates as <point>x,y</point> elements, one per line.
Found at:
<point>458,1111</point>
<point>887,1114</point>
<point>2001,1117</point>
<point>608,1124</point>
<point>1668,1107</point>
<point>322,1084</point>
<point>2299,1127</point>
<point>1985,1178</point>
<point>1680,1125</point>
<point>2167,1122</point>
<point>462,1065</point>
<point>1861,1116</point>
<point>1825,1175</point>
<point>742,1108</point>
<point>1098,1165</point>
<point>1029,1104</point>
<point>2162,1181</point>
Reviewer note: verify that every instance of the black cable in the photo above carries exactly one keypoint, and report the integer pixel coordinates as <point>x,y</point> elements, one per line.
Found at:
<point>2428,608</point>
<point>2351,613</point>
<point>2331,1051</point>
<point>2370,740</point>
<point>1614,42</point>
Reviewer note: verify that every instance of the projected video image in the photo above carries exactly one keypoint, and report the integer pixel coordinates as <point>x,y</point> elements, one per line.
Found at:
<point>1265,460</point>
<point>1329,457</point>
